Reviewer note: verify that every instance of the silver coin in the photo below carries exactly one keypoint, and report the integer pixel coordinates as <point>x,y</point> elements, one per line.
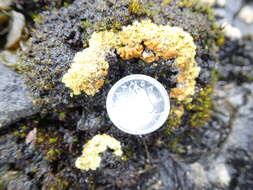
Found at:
<point>138,104</point>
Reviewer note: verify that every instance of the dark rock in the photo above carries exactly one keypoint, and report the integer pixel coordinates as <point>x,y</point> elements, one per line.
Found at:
<point>173,173</point>
<point>236,61</point>
<point>21,183</point>
<point>90,121</point>
<point>8,149</point>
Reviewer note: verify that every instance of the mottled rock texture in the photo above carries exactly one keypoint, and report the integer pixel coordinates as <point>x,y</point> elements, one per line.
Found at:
<point>14,100</point>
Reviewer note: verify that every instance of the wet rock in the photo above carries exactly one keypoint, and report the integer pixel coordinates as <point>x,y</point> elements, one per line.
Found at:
<point>17,25</point>
<point>14,100</point>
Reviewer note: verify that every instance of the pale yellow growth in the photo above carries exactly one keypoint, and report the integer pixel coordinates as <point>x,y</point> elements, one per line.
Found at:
<point>90,67</point>
<point>90,159</point>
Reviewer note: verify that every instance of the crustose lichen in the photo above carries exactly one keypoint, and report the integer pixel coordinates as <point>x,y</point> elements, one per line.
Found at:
<point>144,40</point>
<point>90,158</point>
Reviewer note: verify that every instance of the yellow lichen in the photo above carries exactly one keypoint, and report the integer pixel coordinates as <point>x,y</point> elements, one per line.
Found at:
<point>89,67</point>
<point>176,113</point>
<point>90,159</point>
<point>145,40</point>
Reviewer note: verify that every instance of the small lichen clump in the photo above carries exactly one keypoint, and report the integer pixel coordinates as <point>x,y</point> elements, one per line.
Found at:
<point>90,158</point>
<point>144,40</point>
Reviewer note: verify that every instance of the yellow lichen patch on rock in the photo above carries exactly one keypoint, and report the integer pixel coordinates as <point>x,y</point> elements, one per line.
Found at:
<point>90,159</point>
<point>89,66</point>
<point>144,40</point>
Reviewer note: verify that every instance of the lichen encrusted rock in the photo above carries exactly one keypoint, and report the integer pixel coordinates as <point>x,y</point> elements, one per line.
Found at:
<point>56,39</point>
<point>143,40</point>
<point>90,158</point>
<point>76,30</point>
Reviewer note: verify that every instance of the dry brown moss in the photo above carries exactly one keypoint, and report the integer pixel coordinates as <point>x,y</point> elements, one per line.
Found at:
<point>90,158</point>
<point>144,40</point>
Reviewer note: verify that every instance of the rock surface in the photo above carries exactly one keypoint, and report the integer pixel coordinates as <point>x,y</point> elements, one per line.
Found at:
<point>14,101</point>
<point>246,14</point>
<point>236,13</point>
<point>217,156</point>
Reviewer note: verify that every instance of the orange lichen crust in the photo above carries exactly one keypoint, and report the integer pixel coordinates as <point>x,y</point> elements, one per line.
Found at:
<point>144,40</point>
<point>90,158</point>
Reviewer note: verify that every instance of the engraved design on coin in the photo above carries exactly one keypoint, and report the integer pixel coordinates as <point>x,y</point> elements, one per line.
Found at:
<point>138,104</point>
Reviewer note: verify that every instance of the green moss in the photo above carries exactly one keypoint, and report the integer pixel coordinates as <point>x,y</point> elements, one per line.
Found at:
<point>2,184</point>
<point>62,116</point>
<point>61,184</point>
<point>24,127</point>
<point>174,143</point>
<point>137,8</point>
<point>101,26</point>
<point>53,140</point>
<point>37,18</point>
<point>86,24</point>
<point>175,117</point>
<point>217,31</point>
<point>166,2</point>
<point>128,154</point>
<point>116,26</point>
<point>75,140</point>
<point>65,4</point>
<point>188,3</point>
<point>200,110</point>
<point>53,154</point>
<point>173,122</point>
<point>91,183</point>
<point>40,139</point>
<point>21,132</point>
<point>56,183</point>
<point>198,6</point>
<point>22,135</point>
